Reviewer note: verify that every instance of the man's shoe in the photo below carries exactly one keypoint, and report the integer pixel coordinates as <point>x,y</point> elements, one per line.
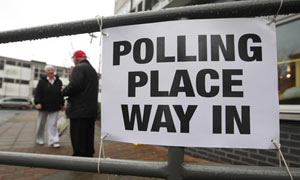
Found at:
<point>56,145</point>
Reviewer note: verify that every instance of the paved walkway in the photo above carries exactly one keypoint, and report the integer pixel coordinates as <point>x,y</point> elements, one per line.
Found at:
<point>18,135</point>
<point>6,115</point>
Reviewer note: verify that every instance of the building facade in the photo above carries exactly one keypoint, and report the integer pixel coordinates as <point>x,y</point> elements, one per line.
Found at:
<point>288,50</point>
<point>129,6</point>
<point>19,77</point>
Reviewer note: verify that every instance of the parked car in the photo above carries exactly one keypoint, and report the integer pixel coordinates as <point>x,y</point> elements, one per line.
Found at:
<point>15,103</point>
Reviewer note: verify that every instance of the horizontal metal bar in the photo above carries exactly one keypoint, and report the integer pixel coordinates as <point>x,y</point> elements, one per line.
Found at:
<point>228,172</point>
<point>157,169</point>
<point>219,10</point>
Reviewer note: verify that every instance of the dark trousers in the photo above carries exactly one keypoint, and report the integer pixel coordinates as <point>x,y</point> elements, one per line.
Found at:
<point>82,136</point>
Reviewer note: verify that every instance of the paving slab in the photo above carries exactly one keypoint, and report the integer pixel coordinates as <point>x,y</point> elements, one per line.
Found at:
<point>17,134</point>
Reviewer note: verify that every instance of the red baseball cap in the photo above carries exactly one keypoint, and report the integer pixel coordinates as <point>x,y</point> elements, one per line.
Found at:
<point>79,54</point>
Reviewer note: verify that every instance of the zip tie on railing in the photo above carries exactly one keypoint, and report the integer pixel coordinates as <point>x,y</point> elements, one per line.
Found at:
<point>92,37</point>
<point>275,16</point>
<point>277,145</point>
<point>100,150</point>
<point>100,23</point>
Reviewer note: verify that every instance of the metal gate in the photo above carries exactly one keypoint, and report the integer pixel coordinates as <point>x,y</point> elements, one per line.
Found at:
<point>174,168</point>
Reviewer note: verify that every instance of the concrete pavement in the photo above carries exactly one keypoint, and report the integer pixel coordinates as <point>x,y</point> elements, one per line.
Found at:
<point>17,134</point>
<point>7,114</point>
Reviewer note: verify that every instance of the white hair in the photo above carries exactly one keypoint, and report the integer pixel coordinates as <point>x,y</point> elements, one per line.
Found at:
<point>48,66</point>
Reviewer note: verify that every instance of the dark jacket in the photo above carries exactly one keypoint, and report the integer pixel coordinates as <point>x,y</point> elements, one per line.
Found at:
<point>49,95</point>
<point>82,92</point>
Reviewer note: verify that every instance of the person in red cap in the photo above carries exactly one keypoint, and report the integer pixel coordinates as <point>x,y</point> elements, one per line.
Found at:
<point>82,107</point>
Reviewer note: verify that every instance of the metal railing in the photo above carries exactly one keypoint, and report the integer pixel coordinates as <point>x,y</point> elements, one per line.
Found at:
<point>250,8</point>
<point>174,168</point>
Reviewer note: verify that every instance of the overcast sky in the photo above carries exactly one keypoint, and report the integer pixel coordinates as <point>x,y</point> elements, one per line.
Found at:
<point>15,14</point>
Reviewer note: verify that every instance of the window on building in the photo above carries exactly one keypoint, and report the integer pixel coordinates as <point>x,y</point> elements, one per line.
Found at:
<point>42,72</point>
<point>66,75</point>
<point>33,91</point>
<point>38,72</point>
<point>1,64</point>
<point>288,50</point>
<point>148,5</point>
<point>27,65</point>
<point>59,72</point>
<point>0,83</point>
<point>24,82</point>
<point>8,80</point>
<point>19,64</point>
<point>140,7</point>
<point>36,76</point>
<point>132,10</point>
<point>10,62</point>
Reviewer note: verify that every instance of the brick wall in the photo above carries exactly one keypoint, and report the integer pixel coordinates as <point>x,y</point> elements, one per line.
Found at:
<point>290,147</point>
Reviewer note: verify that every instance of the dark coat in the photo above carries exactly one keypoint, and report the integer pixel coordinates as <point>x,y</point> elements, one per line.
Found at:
<point>82,92</point>
<point>49,95</point>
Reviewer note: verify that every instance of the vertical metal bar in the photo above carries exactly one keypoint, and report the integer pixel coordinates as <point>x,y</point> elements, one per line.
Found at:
<point>175,160</point>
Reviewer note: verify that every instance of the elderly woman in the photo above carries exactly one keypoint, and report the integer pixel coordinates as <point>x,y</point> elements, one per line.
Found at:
<point>49,101</point>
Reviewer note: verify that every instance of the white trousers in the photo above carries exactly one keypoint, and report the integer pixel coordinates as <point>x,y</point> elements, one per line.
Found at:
<point>52,127</point>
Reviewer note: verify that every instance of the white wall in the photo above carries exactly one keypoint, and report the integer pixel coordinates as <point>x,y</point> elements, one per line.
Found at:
<point>17,72</point>
<point>22,73</point>
<point>2,73</point>
<point>124,9</point>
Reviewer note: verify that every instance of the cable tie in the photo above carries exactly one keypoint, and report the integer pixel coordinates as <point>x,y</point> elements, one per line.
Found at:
<point>100,23</point>
<point>277,145</point>
<point>275,16</point>
<point>100,150</point>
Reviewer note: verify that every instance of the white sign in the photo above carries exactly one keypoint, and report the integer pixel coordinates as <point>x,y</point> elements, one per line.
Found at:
<point>196,83</point>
